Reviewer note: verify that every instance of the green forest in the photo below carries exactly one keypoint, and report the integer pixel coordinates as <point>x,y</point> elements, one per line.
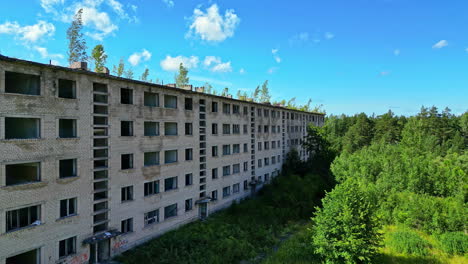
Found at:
<point>377,189</point>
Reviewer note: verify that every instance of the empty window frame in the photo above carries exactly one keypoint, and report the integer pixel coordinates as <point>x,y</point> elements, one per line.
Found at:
<point>170,156</point>
<point>126,194</point>
<point>170,184</point>
<point>226,129</point>
<point>214,195</point>
<point>67,247</point>
<point>245,129</point>
<point>227,170</point>
<point>170,129</point>
<point>214,173</point>
<point>246,166</point>
<point>126,128</point>
<point>226,149</point>
<point>22,128</point>
<point>22,173</point>
<point>126,161</point>
<point>170,101</point>
<point>126,96</point>
<point>188,179</point>
<point>152,217</point>
<point>151,129</point>
<point>188,205</point>
<point>214,129</point>
<point>266,161</point>
<point>126,226</point>
<point>21,83</point>
<point>151,158</point>
<point>236,168</point>
<point>151,188</point>
<point>188,154</point>
<point>23,217</point>
<point>226,191</point>
<point>67,168</point>
<point>188,129</point>
<point>236,129</point>
<point>68,207</point>
<point>188,103</point>
<point>151,99</point>
<point>170,211</point>
<point>246,148</point>
<point>66,89</point>
<point>67,128</point>
<point>235,109</point>
<point>214,107</point>
<point>235,148</point>
<point>235,188</point>
<point>214,151</point>
<point>226,108</point>
<point>246,185</point>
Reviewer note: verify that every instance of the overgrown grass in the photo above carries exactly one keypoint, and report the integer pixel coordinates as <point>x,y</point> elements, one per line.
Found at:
<point>244,231</point>
<point>409,242</point>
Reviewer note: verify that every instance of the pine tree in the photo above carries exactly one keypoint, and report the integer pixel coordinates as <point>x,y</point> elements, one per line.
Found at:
<point>265,93</point>
<point>120,69</point>
<point>76,42</point>
<point>256,94</point>
<point>129,74</point>
<point>181,78</point>
<point>144,76</point>
<point>99,57</point>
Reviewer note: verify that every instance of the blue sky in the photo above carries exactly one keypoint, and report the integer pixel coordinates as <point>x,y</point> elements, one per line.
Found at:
<point>350,55</point>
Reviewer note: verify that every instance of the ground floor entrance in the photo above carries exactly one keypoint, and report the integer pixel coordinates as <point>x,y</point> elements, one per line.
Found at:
<point>100,251</point>
<point>203,210</point>
<point>30,257</point>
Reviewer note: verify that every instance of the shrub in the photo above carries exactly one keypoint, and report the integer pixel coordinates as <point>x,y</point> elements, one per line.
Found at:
<point>454,243</point>
<point>408,242</point>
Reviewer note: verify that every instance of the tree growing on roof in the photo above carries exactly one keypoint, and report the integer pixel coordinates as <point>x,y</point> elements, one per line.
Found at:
<point>76,42</point>
<point>181,78</point>
<point>99,57</point>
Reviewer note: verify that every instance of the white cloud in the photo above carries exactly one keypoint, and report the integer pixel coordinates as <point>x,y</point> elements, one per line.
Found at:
<point>440,44</point>
<point>46,55</point>
<point>299,38</point>
<point>134,8</point>
<point>98,20</point>
<point>396,52</point>
<point>211,60</point>
<point>275,55</point>
<point>211,26</point>
<point>466,49</point>
<point>137,57</point>
<point>31,33</point>
<point>329,35</point>
<point>55,62</point>
<point>49,5</point>
<point>222,67</point>
<point>242,71</point>
<point>172,63</point>
<point>169,3</point>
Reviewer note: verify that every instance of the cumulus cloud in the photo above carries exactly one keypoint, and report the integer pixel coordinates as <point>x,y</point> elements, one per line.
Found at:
<point>222,67</point>
<point>329,35</point>
<point>32,33</point>
<point>172,63</point>
<point>46,55</point>
<point>275,55</point>
<point>440,44</point>
<point>216,65</point>
<point>100,21</point>
<point>396,52</point>
<point>211,26</point>
<point>169,3</point>
<point>137,57</point>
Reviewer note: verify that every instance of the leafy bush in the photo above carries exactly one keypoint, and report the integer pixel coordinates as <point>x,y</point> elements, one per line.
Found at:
<point>346,228</point>
<point>408,242</point>
<point>454,243</point>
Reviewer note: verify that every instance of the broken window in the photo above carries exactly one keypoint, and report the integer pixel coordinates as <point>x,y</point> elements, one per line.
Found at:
<point>22,128</point>
<point>151,99</point>
<point>188,129</point>
<point>214,195</point>
<point>226,129</point>
<point>214,107</point>
<point>245,129</point>
<point>23,173</point>
<point>23,217</point>
<point>21,83</point>
<point>226,108</point>
<point>170,101</point>
<point>214,173</point>
<point>126,128</point>
<point>126,96</point>
<point>246,185</point>
<point>246,166</point>
<point>68,207</point>
<point>170,211</point>
<point>151,129</point>
<point>236,129</point>
<point>30,257</point>
<point>226,149</point>
<point>188,205</point>
<point>126,194</point>
<point>188,179</point>
<point>245,147</point>
<point>235,188</point>
<point>246,111</point>
<point>214,129</point>
<point>236,148</point>
<point>126,225</point>
<point>226,170</point>
<point>236,168</point>
<point>226,191</point>
<point>151,158</point>
<point>67,168</point>
<point>67,128</point>
<point>126,161</point>
<point>188,104</point>
<point>170,184</point>
<point>189,154</point>
<point>151,188</point>
<point>214,151</point>
<point>170,156</point>
<point>152,217</point>
<point>66,89</point>
<point>170,129</point>
<point>235,109</point>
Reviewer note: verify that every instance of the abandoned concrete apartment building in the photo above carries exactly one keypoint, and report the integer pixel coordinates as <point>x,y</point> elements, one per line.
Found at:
<point>92,164</point>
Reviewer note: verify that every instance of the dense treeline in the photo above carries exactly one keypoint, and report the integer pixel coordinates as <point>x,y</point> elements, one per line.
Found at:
<point>410,171</point>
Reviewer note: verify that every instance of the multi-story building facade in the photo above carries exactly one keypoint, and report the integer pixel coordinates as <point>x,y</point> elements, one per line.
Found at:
<point>92,164</point>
